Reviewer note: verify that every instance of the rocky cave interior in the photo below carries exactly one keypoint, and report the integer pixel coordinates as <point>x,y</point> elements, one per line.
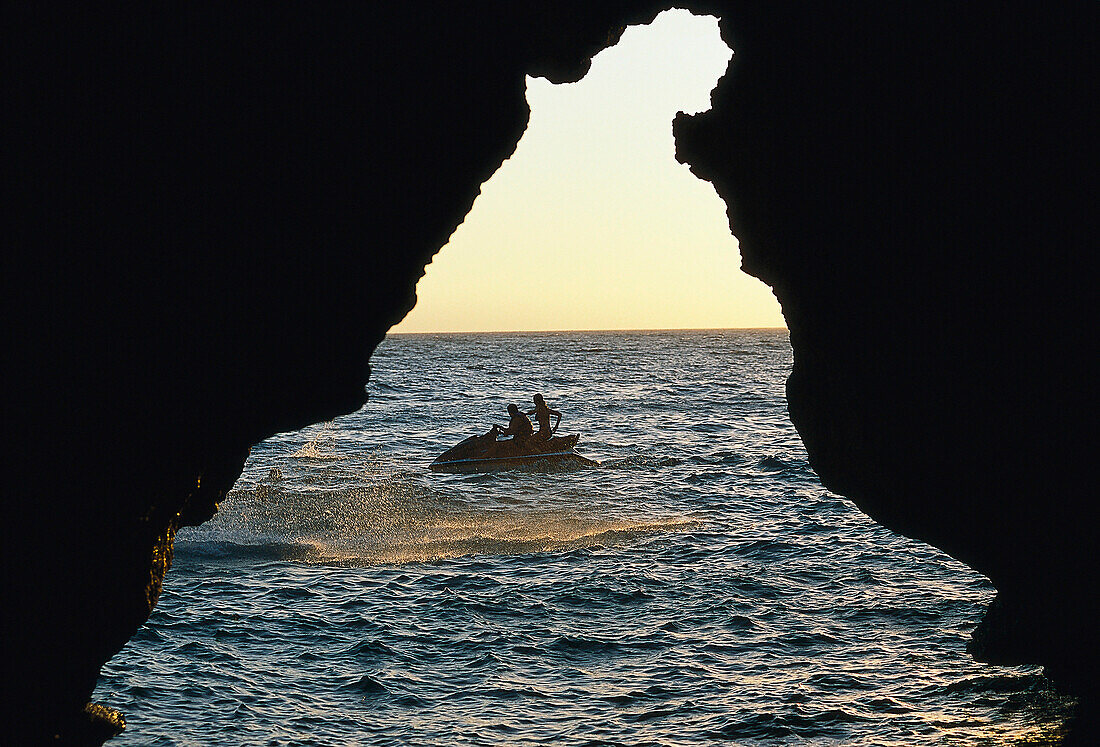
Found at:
<point>910,181</point>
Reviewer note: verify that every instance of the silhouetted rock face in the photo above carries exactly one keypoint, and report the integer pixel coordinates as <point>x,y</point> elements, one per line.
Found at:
<point>222,210</point>
<point>913,185</point>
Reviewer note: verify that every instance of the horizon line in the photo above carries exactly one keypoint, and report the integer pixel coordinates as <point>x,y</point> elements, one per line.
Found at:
<point>560,331</point>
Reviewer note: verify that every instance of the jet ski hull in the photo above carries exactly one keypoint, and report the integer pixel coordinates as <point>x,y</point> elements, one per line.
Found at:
<point>486,454</point>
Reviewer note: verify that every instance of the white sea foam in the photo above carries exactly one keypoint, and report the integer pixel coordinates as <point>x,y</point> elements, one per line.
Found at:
<point>322,446</point>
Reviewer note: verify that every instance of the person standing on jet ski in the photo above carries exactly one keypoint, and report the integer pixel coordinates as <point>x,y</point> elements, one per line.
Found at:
<point>519,427</point>
<point>542,414</point>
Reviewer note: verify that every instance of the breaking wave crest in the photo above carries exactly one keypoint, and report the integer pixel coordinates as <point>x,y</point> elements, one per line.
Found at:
<point>322,446</point>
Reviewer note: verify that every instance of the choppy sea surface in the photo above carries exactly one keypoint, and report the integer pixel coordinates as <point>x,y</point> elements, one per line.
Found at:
<point>700,586</point>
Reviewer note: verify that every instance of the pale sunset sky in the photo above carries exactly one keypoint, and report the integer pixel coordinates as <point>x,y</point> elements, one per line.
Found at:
<point>592,224</point>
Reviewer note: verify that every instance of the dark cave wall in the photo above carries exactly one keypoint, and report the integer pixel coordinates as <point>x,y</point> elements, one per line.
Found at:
<point>910,182</point>
<point>221,210</point>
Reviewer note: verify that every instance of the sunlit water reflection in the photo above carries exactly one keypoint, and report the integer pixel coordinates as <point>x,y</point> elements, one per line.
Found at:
<point>699,585</point>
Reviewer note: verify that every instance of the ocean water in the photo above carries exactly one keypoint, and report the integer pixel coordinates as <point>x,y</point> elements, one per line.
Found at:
<point>700,586</point>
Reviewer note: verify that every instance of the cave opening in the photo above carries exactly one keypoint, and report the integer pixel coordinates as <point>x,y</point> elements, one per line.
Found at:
<point>651,595</point>
<point>592,223</point>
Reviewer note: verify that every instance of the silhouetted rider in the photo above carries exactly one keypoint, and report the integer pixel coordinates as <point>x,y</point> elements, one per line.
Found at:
<point>542,414</point>
<point>519,427</point>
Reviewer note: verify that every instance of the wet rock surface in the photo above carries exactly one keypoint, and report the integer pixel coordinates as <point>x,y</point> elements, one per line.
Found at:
<point>222,211</point>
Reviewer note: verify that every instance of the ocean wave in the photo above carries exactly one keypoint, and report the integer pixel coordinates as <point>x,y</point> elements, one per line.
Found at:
<point>641,462</point>
<point>365,685</point>
<point>836,681</point>
<point>255,549</point>
<point>909,615</point>
<point>578,644</point>
<point>767,549</point>
<point>996,684</point>
<point>322,447</point>
<point>811,640</point>
<point>587,597</point>
<point>657,713</point>
<point>774,463</point>
<point>650,693</point>
<point>780,725</point>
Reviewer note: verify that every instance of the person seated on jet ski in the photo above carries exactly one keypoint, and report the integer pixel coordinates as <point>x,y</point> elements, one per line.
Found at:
<point>519,427</point>
<point>542,414</point>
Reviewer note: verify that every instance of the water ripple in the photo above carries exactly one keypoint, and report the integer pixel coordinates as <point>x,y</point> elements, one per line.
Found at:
<point>699,586</point>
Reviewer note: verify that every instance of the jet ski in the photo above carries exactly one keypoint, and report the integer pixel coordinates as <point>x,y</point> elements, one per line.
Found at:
<point>487,453</point>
